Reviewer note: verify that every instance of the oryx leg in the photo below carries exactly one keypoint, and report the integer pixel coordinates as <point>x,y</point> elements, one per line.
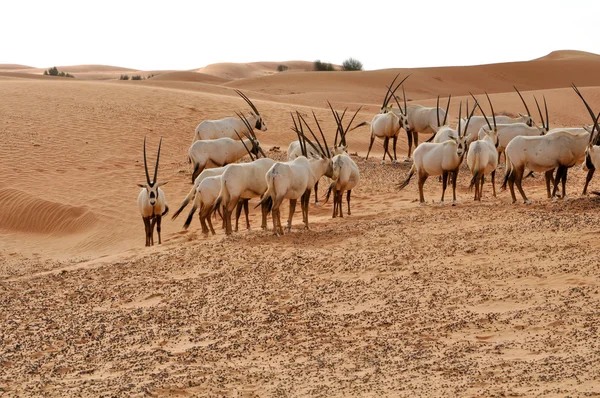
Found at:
<point>208,220</point>
<point>444,184</point>
<point>422,178</point>
<point>548,177</point>
<point>518,180</point>
<point>588,178</point>
<point>291,215</point>
<point>238,212</point>
<point>386,142</point>
<point>306,198</point>
<point>202,215</point>
<point>147,229</point>
<point>335,204</point>
<point>494,182</point>
<point>409,138</point>
<point>340,195</point>
<point>370,146</point>
<point>395,141</point>
<point>454,175</point>
<point>246,213</point>
<point>263,209</point>
<point>316,192</point>
<point>559,175</point>
<point>348,200</point>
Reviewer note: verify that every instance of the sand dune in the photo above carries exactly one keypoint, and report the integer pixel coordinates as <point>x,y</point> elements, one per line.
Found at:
<point>397,299</point>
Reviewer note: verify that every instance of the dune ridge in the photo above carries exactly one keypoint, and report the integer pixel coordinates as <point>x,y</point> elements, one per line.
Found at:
<point>22,212</point>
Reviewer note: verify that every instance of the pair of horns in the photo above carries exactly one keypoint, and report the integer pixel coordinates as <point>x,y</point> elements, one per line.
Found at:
<point>340,128</point>
<point>477,105</point>
<point>391,93</point>
<point>323,151</point>
<point>438,113</point>
<point>595,127</point>
<point>248,101</point>
<point>468,119</point>
<point>546,123</point>
<point>249,133</point>
<point>151,183</point>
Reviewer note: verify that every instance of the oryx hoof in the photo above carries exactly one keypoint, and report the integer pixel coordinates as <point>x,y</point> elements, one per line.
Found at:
<point>565,198</point>
<point>395,161</point>
<point>408,160</point>
<point>317,203</point>
<point>382,162</point>
<point>422,204</point>
<point>527,202</point>
<point>442,203</point>
<point>455,202</point>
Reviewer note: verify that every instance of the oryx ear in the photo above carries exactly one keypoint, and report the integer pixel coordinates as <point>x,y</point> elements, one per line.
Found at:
<point>160,184</point>
<point>141,185</point>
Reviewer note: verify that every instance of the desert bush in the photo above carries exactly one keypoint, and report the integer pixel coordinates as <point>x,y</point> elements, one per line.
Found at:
<point>281,68</point>
<point>55,72</point>
<point>323,66</point>
<point>124,77</point>
<point>352,64</point>
<point>150,76</point>
<point>136,77</point>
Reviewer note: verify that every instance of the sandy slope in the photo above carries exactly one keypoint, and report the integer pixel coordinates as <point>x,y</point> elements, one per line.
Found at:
<point>396,300</point>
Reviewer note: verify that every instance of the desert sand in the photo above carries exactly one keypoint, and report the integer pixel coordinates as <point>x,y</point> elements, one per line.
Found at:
<point>480,299</point>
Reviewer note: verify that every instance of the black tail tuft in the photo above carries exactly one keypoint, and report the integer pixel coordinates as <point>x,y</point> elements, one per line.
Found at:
<point>506,177</point>
<point>217,204</point>
<point>474,180</point>
<point>329,191</point>
<point>403,184</point>
<point>188,221</point>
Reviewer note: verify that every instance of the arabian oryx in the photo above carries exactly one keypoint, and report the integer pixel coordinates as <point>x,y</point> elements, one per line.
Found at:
<point>482,156</point>
<point>439,159</point>
<point>221,152</point>
<point>387,123</point>
<point>592,151</point>
<point>214,129</point>
<point>294,180</point>
<point>152,202</point>
<point>561,149</point>
<point>477,122</point>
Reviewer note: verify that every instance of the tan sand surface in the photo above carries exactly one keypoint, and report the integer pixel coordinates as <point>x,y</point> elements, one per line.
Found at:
<point>480,299</point>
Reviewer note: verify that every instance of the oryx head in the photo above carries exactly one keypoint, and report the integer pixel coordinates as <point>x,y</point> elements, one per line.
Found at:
<point>255,148</point>
<point>527,119</point>
<point>387,108</point>
<point>461,140</point>
<point>152,186</point>
<point>592,152</point>
<point>257,120</point>
<point>341,146</point>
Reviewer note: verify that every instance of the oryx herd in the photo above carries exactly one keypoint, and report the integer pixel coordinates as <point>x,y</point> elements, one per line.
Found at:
<point>221,185</point>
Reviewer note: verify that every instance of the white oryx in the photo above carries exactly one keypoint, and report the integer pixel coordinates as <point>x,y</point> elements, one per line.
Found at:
<point>387,123</point>
<point>482,157</point>
<point>345,177</point>
<point>152,202</point>
<point>561,149</point>
<point>439,159</point>
<point>294,180</point>
<point>213,129</point>
<point>220,152</point>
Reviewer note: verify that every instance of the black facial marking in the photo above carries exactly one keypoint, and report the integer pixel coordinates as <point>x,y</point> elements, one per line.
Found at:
<point>258,124</point>
<point>588,162</point>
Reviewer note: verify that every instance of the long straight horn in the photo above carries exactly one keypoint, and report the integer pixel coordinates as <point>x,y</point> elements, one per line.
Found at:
<point>447,108</point>
<point>343,141</point>
<point>391,92</point>
<point>340,129</point>
<point>244,144</point>
<point>295,130</point>
<point>481,109</point>
<point>306,140</point>
<point>597,129</point>
<point>385,99</point>
<point>156,167</point>
<point>547,118</point>
<point>300,134</point>
<point>594,118</point>
<point>146,165</point>
<point>248,101</point>
<point>437,112</point>
<point>471,114</point>
<point>404,97</point>
<point>523,100</point>
<point>459,116</point>
<point>245,121</point>
<point>322,136</point>
<point>492,108</point>
<point>540,112</point>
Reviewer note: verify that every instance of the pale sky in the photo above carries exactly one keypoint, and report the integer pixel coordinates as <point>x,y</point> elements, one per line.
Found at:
<point>175,34</point>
